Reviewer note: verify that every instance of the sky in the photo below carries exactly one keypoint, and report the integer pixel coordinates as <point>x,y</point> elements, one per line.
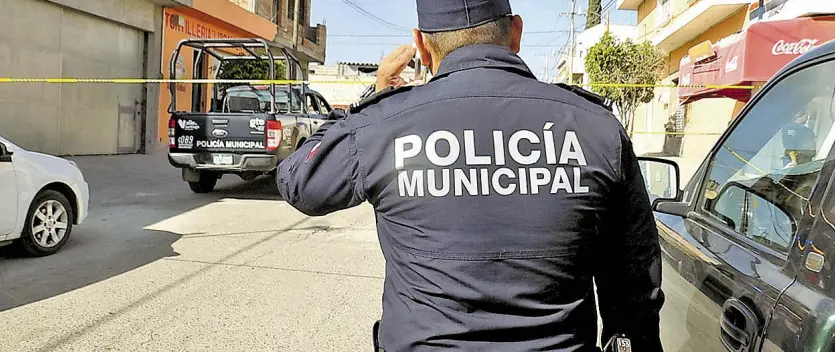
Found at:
<point>357,37</point>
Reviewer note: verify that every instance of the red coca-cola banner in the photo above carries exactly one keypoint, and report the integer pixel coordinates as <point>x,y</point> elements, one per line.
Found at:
<point>752,57</point>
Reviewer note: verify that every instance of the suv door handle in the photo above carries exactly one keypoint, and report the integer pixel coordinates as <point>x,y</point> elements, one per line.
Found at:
<point>738,326</point>
<point>732,333</point>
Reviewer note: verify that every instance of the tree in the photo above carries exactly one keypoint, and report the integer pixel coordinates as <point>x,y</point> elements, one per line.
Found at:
<point>249,69</point>
<point>615,61</point>
<point>593,13</point>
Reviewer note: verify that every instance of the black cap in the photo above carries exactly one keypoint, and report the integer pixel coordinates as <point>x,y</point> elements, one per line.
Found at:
<point>451,15</point>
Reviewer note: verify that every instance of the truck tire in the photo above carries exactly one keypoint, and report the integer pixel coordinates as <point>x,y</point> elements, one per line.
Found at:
<point>205,184</point>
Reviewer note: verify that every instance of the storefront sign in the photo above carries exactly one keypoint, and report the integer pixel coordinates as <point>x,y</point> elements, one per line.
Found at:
<point>191,27</point>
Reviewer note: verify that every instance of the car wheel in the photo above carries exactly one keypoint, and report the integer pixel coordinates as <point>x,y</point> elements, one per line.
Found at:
<point>49,223</point>
<point>205,184</point>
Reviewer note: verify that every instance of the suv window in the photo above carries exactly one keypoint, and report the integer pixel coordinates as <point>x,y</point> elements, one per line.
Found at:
<point>311,104</point>
<point>256,101</point>
<point>324,107</point>
<point>760,180</point>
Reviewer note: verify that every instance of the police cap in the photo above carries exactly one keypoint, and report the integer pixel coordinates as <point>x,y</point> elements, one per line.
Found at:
<point>451,15</point>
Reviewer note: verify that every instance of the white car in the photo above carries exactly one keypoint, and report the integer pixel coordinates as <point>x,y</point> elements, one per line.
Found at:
<point>41,198</point>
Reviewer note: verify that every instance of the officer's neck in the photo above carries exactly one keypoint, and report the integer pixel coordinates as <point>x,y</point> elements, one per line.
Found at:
<point>437,59</point>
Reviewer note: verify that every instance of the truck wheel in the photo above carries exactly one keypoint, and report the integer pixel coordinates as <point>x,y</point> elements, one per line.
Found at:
<point>205,184</point>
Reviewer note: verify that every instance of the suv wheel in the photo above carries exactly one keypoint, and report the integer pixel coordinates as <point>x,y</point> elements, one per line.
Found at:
<point>49,223</point>
<point>205,184</point>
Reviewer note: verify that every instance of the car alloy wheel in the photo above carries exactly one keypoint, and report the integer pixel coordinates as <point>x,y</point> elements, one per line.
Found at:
<point>49,223</point>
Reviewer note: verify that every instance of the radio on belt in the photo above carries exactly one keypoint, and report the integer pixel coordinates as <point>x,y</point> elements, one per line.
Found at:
<point>618,343</point>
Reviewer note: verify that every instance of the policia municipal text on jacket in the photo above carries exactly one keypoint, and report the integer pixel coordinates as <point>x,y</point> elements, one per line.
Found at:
<point>498,198</point>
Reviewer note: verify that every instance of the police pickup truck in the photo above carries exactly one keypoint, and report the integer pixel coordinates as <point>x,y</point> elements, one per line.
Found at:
<point>249,128</point>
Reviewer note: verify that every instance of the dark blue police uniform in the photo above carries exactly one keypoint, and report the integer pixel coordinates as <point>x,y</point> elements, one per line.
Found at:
<point>498,199</point>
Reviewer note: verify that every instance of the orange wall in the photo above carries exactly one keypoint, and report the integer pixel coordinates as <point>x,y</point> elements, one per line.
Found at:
<point>197,25</point>
<point>729,26</point>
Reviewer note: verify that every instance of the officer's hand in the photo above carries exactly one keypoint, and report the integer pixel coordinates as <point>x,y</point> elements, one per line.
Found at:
<point>389,72</point>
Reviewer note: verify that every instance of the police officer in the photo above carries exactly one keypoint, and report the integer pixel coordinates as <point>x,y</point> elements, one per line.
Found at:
<point>498,198</point>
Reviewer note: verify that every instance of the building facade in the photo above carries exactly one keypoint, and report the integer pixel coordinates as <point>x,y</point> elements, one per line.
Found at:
<point>674,26</point>
<point>91,39</point>
<point>119,39</point>
<point>585,40</point>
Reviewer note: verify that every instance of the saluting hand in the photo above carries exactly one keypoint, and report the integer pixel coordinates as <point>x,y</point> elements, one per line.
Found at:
<point>389,72</point>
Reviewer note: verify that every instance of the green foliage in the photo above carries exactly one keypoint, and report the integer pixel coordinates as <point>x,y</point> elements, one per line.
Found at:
<point>615,61</point>
<point>249,69</point>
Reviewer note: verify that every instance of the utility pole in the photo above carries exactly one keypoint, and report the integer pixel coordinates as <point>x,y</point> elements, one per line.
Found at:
<point>544,76</point>
<point>571,42</point>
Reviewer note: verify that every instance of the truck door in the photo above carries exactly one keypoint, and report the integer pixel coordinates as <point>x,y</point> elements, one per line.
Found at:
<point>315,113</point>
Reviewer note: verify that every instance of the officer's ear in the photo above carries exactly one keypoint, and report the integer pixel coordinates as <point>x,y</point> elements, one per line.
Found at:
<point>516,33</point>
<point>423,50</point>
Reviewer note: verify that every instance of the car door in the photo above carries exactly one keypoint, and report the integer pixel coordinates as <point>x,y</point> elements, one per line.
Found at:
<point>8,190</point>
<point>727,262</point>
<point>803,319</point>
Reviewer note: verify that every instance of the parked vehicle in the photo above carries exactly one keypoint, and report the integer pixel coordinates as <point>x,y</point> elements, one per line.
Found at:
<point>748,244</point>
<point>41,198</point>
<point>249,129</point>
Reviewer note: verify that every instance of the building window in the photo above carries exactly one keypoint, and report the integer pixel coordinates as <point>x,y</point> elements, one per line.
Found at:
<point>290,9</point>
<point>664,15</point>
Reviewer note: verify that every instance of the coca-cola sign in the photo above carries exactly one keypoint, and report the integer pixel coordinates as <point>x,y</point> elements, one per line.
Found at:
<point>796,48</point>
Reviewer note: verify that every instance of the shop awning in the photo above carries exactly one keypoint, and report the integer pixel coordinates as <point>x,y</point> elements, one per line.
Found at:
<point>750,57</point>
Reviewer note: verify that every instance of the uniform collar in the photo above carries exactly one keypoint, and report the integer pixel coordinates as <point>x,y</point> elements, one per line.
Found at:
<point>482,56</point>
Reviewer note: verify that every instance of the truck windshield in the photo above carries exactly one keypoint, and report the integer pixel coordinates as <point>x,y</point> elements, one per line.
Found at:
<point>258,101</point>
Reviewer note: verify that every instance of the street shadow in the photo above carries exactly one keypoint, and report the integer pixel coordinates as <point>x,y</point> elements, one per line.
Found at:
<point>262,188</point>
<point>128,194</point>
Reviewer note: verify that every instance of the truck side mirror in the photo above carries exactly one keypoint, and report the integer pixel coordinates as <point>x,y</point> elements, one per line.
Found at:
<point>661,180</point>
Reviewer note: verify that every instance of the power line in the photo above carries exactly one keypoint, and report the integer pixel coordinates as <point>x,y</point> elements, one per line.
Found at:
<point>373,16</point>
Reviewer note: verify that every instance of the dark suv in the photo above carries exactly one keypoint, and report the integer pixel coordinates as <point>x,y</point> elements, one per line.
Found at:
<point>748,243</point>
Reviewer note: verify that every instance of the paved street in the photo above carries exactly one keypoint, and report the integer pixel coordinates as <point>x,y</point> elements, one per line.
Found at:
<point>158,268</point>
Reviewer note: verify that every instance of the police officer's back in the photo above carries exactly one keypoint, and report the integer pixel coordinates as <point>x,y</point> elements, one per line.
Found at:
<point>498,198</point>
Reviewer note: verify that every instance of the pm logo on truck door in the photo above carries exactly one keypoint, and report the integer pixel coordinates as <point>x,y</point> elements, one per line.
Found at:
<point>257,124</point>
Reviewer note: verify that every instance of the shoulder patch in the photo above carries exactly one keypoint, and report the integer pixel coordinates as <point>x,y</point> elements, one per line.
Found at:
<point>589,96</point>
<point>377,97</point>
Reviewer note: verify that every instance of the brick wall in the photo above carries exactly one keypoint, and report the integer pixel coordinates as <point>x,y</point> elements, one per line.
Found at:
<point>280,13</point>
<point>285,7</point>
<point>266,9</point>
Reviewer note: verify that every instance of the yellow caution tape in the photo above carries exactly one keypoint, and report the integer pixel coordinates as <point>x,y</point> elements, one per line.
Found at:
<point>284,81</point>
<point>638,85</point>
